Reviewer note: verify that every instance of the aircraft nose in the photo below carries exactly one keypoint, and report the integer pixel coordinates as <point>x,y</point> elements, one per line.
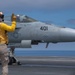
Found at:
<point>67,35</point>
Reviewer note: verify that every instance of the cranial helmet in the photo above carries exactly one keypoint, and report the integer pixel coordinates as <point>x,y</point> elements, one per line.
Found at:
<point>1,16</point>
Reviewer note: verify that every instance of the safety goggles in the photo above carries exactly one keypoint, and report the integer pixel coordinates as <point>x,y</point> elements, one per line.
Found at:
<point>2,16</point>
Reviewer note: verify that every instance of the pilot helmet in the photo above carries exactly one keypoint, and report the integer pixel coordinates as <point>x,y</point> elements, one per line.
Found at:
<point>1,16</point>
<point>18,15</point>
<point>18,18</point>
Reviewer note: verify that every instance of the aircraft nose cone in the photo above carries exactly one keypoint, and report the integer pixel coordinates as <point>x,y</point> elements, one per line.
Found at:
<point>67,35</point>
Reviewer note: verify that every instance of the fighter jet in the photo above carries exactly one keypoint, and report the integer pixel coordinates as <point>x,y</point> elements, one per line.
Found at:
<point>32,32</point>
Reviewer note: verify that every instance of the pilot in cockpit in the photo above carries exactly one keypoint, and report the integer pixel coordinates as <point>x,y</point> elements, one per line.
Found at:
<point>18,18</point>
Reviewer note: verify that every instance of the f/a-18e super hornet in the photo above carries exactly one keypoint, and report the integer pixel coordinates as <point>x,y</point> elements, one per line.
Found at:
<point>32,32</point>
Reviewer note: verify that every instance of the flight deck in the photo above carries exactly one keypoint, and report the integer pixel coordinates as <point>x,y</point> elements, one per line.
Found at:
<point>43,66</point>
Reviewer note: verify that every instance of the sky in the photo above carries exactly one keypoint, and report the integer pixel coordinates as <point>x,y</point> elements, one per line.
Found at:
<point>58,12</point>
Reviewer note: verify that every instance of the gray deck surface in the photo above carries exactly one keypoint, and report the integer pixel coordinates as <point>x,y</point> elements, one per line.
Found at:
<point>43,66</point>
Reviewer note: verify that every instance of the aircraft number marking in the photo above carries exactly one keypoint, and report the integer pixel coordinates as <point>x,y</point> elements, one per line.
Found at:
<point>44,28</point>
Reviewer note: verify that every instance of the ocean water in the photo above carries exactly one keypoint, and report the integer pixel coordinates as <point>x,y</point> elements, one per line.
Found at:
<point>44,53</point>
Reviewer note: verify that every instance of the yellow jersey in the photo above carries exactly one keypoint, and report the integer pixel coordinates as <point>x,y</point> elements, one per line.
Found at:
<point>4,28</point>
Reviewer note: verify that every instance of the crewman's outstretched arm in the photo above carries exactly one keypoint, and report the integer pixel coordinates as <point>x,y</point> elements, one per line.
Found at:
<point>9,28</point>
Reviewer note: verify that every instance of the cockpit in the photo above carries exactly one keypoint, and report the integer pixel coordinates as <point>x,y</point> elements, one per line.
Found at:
<point>25,19</point>
<point>22,19</point>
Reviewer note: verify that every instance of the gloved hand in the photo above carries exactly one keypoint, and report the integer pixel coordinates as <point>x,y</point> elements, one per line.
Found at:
<point>13,17</point>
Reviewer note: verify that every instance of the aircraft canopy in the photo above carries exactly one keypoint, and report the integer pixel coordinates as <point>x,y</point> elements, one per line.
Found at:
<point>22,19</point>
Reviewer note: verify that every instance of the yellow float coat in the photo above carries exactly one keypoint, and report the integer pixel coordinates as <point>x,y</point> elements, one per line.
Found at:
<point>4,28</point>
